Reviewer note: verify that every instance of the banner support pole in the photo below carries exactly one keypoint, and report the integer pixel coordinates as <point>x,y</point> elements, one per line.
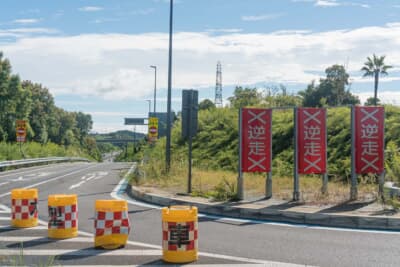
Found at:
<point>325,174</point>
<point>353,189</point>
<point>240,194</point>
<point>296,193</point>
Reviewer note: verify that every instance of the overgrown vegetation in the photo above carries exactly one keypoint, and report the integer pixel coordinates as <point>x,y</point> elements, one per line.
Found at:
<point>215,147</point>
<point>11,151</point>
<point>46,123</point>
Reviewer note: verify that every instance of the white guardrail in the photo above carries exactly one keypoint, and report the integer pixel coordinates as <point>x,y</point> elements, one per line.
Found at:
<point>22,162</point>
<point>391,190</point>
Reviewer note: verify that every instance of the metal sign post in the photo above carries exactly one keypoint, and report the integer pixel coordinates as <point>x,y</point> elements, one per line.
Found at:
<point>189,125</point>
<point>296,193</point>
<point>268,182</point>
<point>240,194</point>
<point>353,188</point>
<point>324,188</point>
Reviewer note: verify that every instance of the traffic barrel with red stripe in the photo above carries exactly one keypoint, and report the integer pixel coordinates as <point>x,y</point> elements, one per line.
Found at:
<point>180,234</point>
<point>63,216</point>
<point>24,207</point>
<point>111,224</point>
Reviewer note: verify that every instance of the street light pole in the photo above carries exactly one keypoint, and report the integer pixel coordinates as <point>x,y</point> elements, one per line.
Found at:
<point>155,87</point>
<point>168,143</point>
<point>148,100</point>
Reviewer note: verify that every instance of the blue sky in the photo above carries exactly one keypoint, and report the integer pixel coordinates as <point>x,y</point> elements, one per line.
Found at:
<point>94,56</point>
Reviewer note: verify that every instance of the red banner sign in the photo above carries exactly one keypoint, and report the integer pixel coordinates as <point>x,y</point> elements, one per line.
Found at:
<point>369,139</point>
<point>311,140</point>
<point>256,140</point>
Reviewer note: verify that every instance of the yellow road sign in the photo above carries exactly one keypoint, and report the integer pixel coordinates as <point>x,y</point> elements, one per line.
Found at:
<point>20,129</point>
<point>153,129</point>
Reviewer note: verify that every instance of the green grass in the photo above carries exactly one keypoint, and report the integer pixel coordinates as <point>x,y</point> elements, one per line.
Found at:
<point>221,185</point>
<point>12,151</point>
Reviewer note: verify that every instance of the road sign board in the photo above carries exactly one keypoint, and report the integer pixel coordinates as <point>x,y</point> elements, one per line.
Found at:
<point>153,129</point>
<point>135,121</point>
<point>369,139</point>
<point>256,140</point>
<point>311,140</point>
<point>20,129</point>
<point>190,108</point>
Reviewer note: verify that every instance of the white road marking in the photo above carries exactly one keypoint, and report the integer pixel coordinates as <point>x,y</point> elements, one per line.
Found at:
<point>4,218</point>
<point>4,183</point>
<point>76,185</point>
<point>86,252</point>
<point>21,178</point>
<point>13,172</point>
<point>8,227</point>
<point>4,209</point>
<point>51,180</point>
<point>88,177</point>
<point>44,239</point>
<point>115,195</point>
<point>272,264</point>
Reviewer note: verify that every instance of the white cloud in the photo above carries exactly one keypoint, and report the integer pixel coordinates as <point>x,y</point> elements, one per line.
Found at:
<point>26,21</point>
<point>224,30</point>
<point>90,8</point>
<point>262,17</point>
<point>386,97</point>
<point>23,32</point>
<point>332,3</point>
<point>116,66</point>
<point>326,3</point>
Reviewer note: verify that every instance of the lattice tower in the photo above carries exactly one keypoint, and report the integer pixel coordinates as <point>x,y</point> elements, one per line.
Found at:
<point>218,86</point>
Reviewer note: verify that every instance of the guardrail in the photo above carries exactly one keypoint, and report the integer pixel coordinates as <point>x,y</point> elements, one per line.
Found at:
<point>391,190</point>
<point>35,161</point>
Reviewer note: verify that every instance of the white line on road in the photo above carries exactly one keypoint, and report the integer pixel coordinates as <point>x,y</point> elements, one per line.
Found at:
<point>44,239</point>
<point>86,252</point>
<point>30,169</point>
<point>52,179</point>
<point>8,227</point>
<point>4,218</point>
<point>4,183</point>
<point>272,264</point>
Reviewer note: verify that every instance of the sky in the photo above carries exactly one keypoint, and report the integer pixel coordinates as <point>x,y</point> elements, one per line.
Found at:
<point>95,55</point>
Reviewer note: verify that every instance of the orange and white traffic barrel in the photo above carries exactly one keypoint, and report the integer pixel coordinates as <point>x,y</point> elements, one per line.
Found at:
<point>24,207</point>
<point>111,224</point>
<point>63,216</point>
<point>180,234</point>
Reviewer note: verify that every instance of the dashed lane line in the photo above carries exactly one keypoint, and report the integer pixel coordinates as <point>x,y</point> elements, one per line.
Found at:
<point>52,179</point>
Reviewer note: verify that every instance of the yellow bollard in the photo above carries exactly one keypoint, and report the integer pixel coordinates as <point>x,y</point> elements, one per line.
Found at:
<point>111,224</point>
<point>180,234</point>
<point>24,212</point>
<point>63,216</point>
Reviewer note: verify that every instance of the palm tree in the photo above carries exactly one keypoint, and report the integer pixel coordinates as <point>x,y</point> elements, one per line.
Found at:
<point>375,67</point>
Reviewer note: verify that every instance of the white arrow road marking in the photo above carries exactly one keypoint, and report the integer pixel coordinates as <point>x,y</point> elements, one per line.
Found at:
<point>88,177</point>
<point>76,185</point>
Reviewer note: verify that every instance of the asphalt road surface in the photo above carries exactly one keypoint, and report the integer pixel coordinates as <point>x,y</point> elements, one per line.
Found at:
<point>222,241</point>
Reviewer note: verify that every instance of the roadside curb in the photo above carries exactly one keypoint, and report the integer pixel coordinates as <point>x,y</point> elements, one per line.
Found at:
<point>274,215</point>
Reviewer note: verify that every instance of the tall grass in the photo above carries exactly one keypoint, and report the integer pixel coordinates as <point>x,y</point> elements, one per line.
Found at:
<point>12,151</point>
<point>220,185</point>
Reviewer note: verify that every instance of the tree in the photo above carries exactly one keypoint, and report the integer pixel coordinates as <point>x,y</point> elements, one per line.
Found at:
<point>206,104</point>
<point>245,97</point>
<point>375,67</point>
<point>331,91</point>
<point>371,101</point>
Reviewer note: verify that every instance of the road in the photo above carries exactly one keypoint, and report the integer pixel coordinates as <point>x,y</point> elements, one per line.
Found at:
<point>221,240</point>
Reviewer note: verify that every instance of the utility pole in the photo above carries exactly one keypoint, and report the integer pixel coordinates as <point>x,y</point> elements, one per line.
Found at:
<point>155,87</point>
<point>168,143</point>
